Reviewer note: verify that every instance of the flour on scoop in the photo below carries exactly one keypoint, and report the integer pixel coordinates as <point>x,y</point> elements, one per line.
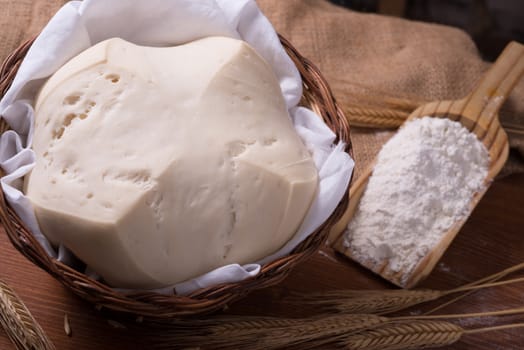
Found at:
<point>423,182</point>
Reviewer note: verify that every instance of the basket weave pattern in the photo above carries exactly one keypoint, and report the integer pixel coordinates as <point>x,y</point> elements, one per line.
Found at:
<point>317,95</point>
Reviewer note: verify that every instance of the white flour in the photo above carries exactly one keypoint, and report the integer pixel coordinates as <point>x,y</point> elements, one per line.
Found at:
<point>423,181</point>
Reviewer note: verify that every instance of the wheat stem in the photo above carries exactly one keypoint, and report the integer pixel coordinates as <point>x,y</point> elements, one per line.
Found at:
<point>470,289</point>
<point>496,276</point>
<point>485,282</point>
<point>507,312</point>
<point>486,285</point>
<point>494,328</point>
<point>449,302</point>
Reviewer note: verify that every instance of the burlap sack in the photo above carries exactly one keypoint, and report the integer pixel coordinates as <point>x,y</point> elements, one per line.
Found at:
<point>385,66</point>
<point>380,68</point>
<point>22,19</point>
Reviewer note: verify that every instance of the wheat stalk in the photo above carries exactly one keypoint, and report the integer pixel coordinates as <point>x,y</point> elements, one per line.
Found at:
<point>319,331</point>
<point>367,301</point>
<point>406,335</point>
<point>352,331</point>
<point>486,282</point>
<point>243,332</point>
<point>358,324</point>
<point>382,302</point>
<point>19,324</point>
<point>358,332</point>
<point>415,334</point>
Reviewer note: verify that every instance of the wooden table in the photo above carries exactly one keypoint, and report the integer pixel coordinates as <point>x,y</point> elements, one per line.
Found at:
<point>491,240</point>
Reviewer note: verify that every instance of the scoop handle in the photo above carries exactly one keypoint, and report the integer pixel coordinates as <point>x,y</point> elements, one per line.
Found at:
<point>479,108</point>
<point>484,102</point>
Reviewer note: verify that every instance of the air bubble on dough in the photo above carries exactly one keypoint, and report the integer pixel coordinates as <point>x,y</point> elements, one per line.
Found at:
<point>72,99</point>
<point>114,78</point>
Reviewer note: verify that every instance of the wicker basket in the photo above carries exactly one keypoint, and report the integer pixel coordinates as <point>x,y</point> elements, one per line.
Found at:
<point>317,96</point>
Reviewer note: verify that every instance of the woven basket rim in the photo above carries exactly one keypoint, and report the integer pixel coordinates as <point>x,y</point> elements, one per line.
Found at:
<point>317,95</point>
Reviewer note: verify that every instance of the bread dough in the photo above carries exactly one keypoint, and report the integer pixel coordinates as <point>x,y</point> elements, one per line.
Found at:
<point>156,165</point>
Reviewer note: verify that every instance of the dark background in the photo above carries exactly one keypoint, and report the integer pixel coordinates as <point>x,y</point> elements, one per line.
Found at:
<point>491,23</point>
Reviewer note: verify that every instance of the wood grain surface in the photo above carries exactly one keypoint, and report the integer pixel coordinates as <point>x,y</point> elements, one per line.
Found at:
<point>491,240</point>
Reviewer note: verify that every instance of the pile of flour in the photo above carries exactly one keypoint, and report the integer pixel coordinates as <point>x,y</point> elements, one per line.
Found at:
<point>423,182</point>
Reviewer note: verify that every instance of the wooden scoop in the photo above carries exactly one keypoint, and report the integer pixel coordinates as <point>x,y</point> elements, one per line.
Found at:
<point>478,112</point>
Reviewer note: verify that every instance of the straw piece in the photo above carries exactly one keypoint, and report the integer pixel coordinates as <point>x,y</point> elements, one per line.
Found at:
<point>115,324</point>
<point>67,326</point>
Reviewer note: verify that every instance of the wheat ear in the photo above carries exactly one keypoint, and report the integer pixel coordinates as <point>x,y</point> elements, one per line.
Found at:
<point>406,335</point>
<point>267,333</point>
<point>19,324</point>
<point>367,301</point>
